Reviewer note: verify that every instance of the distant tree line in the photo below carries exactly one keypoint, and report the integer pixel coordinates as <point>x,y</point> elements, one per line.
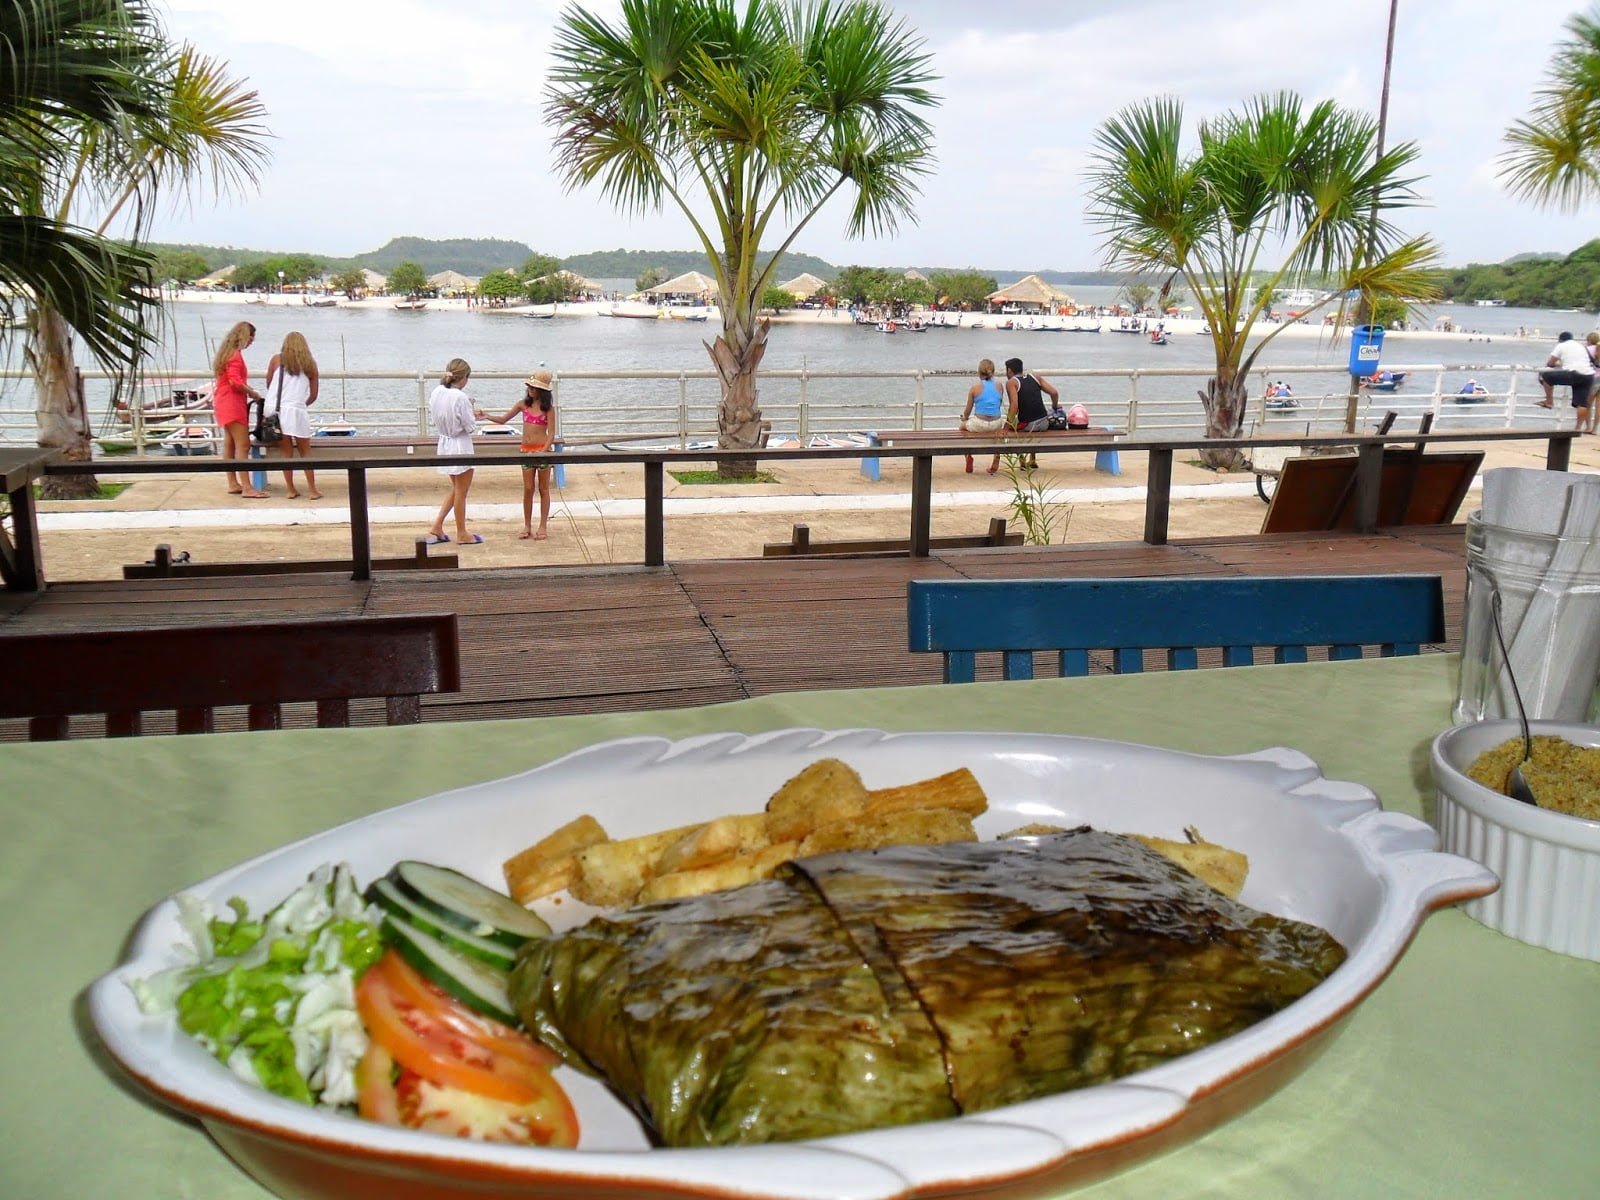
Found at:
<point>1570,282</point>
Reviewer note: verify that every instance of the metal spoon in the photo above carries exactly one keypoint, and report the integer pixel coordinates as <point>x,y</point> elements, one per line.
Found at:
<point>1516,783</point>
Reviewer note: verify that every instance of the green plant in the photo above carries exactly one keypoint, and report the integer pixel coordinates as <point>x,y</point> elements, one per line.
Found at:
<point>102,491</point>
<point>714,477</point>
<point>1034,503</point>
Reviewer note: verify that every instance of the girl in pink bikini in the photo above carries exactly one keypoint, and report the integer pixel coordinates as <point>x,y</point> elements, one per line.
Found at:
<point>538,409</point>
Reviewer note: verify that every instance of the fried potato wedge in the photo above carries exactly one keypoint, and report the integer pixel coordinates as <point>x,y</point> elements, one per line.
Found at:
<point>957,790</point>
<point>1222,868</point>
<point>735,872</point>
<point>611,873</point>
<point>551,863</point>
<point>912,827</point>
<point>715,841</point>
<point>826,791</point>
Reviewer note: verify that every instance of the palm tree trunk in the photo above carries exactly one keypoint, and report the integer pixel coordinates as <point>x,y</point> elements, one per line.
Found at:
<point>63,412</point>
<point>1225,402</point>
<point>737,355</point>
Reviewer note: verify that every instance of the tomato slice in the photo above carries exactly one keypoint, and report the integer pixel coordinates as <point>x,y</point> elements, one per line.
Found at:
<point>546,1120</point>
<point>411,989</point>
<point>424,1045</point>
<point>376,1099</point>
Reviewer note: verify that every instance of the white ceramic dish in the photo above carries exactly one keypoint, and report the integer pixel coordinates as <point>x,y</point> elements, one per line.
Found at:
<point>1548,862</point>
<point>1320,851</point>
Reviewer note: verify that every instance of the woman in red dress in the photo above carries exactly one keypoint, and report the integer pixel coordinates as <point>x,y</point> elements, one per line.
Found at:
<point>230,401</point>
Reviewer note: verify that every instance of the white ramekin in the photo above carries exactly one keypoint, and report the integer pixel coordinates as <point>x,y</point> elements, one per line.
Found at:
<point>1548,862</point>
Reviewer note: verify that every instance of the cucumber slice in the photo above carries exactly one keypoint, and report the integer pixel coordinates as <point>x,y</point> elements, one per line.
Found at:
<point>466,903</point>
<point>386,896</point>
<point>476,984</point>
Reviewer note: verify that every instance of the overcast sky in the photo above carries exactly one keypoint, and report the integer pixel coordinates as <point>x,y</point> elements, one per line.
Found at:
<point>422,117</point>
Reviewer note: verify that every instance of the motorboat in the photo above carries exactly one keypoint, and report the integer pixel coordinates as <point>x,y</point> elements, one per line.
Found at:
<point>320,302</point>
<point>168,402</point>
<point>336,429</point>
<point>1384,381</point>
<point>190,440</point>
<point>890,326</point>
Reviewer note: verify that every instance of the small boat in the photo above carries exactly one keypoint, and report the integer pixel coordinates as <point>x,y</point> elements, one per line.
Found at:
<point>549,316</point>
<point>643,313</point>
<point>411,305</point>
<point>1075,327</point>
<point>1384,381</point>
<point>321,302</point>
<point>888,327</point>
<point>1490,303</point>
<point>336,429</point>
<point>1159,338</point>
<point>505,431</point>
<point>190,440</point>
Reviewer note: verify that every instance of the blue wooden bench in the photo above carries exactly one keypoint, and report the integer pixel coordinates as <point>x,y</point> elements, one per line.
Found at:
<point>961,618</point>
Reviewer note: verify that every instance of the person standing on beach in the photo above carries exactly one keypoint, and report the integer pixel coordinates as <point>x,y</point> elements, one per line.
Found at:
<point>538,409</point>
<point>985,411</point>
<point>455,416</point>
<point>1026,392</point>
<point>292,384</point>
<point>230,404</point>
<point>1592,345</point>
<point>1569,364</point>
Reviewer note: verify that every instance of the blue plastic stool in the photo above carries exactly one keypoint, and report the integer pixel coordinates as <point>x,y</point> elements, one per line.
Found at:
<point>871,467</point>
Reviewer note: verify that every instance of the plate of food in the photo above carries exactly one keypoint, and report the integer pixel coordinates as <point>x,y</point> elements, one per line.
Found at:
<point>804,963</point>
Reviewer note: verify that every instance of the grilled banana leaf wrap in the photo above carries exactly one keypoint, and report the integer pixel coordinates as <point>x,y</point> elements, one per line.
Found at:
<point>873,988</point>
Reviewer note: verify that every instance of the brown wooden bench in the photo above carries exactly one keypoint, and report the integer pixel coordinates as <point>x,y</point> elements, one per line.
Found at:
<point>193,670</point>
<point>166,565</point>
<point>800,543</point>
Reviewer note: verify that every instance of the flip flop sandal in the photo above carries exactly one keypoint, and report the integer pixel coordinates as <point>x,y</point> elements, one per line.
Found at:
<point>437,539</point>
<point>475,540</point>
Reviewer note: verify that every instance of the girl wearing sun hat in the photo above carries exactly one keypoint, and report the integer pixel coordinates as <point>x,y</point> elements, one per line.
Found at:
<point>538,409</point>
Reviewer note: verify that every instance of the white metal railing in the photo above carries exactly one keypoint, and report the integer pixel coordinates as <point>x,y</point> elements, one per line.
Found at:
<point>689,414</point>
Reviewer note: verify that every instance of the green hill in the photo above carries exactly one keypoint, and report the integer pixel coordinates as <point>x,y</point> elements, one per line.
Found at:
<point>470,256</point>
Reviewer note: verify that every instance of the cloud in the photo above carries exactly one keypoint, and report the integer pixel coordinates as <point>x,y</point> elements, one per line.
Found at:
<point>424,117</point>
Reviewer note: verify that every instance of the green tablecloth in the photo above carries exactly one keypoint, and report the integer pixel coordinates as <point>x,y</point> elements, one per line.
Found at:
<point>1471,1072</point>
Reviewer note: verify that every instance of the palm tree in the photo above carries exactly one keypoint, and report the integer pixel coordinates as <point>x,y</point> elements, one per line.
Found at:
<point>1553,155</point>
<point>1273,178</point>
<point>85,63</point>
<point>742,114</point>
<point>192,122</point>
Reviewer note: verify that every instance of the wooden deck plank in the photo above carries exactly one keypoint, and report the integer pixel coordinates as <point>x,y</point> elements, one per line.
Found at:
<point>552,641</point>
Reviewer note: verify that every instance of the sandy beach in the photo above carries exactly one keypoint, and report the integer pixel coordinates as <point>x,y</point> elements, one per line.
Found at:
<point>1180,323</point>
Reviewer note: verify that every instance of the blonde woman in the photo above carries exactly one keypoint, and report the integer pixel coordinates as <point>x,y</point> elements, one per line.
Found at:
<point>291,390</point>
<point>455,416</point>
<point>230,403</point>
<point>985,411</point>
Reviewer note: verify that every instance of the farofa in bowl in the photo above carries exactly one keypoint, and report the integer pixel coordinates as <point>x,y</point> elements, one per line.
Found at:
<point>1564,777</point>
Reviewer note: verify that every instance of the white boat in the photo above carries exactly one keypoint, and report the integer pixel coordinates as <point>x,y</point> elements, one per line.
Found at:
<point>1490,303</point>
<point>166,402</point>
<point>888,327</point>
<point>499,431</point>
<point>639,312</point>
<point>190,439</point>
<point>336,429</point>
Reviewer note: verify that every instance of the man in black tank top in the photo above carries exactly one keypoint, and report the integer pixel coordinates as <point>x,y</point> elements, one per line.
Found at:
<point>1026,393</point>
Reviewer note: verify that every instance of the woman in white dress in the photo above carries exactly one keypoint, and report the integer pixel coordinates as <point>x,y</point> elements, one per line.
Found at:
<point>291,391</point>
<point>455,417</point>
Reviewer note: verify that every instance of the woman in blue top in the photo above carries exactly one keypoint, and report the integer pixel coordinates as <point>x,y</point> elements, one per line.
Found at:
<point>985,411</point>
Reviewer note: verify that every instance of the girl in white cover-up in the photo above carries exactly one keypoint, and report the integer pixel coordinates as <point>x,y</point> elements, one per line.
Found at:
<point>455,416</point>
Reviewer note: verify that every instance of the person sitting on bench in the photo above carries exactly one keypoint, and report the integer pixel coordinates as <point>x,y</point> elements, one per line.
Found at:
<point>1026,392</point>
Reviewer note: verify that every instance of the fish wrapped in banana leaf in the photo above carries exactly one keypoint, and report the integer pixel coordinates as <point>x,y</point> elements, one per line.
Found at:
<point>872,988</point>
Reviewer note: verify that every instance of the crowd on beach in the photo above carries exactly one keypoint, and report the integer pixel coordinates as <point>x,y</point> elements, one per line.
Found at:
<point>283,419</point>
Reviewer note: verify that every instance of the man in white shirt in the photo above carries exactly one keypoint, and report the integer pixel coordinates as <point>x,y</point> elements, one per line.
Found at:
<point>1569,363</point>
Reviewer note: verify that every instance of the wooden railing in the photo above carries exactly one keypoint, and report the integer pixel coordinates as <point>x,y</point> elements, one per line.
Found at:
<point>23,569</point>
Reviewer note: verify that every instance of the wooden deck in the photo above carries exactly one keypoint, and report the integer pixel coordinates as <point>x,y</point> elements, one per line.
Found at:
<point>541,641</point>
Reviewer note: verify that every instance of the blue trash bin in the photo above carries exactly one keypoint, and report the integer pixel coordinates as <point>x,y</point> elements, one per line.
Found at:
<point>258,479</point>
<point>871,468</point>
<point>1366,348</point>
<point>559,476</point>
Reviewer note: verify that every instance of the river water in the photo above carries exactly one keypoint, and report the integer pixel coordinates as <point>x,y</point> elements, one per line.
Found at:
<point>418,344</point>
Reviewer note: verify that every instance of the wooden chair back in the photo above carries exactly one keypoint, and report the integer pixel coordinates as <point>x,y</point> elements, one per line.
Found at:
<point>1016,617</point>
<point>194,670</point>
